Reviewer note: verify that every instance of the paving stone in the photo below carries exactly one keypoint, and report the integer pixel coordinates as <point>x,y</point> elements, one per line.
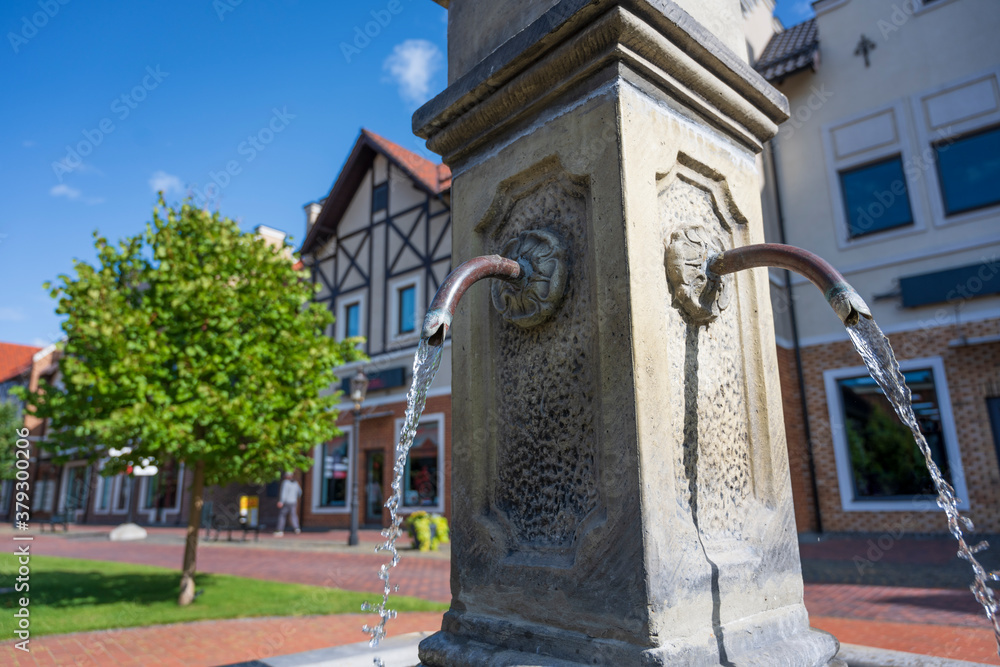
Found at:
<point>933,621</point>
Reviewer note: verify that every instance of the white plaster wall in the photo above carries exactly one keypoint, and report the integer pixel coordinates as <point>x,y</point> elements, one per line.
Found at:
<point>932,73</point>
<point>759,25</point>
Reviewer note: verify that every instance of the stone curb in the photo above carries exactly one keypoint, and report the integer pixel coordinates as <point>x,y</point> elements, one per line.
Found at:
<point>401,651</point>
<point>867,656</point>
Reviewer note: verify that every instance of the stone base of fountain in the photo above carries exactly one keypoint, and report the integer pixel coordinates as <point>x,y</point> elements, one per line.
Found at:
<point>503,643</point>
<point>401,651</point>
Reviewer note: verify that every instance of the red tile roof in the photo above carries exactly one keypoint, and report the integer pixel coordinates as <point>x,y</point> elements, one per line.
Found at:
<point>433,176</point>
<point>15,359</point>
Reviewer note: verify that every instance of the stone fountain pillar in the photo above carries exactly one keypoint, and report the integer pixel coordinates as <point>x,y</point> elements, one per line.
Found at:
<point>620,477</point>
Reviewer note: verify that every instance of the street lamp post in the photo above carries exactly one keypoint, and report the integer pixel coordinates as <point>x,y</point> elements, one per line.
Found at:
<point>359,387</point>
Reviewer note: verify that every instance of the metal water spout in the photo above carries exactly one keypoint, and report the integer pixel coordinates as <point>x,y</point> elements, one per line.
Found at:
<point>843,298</point>
<point>529,289</point>
<point>442,308</point>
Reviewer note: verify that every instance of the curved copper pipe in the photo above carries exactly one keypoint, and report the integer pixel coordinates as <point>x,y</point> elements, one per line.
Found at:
<point>844,300</point>
<point>442,308</point>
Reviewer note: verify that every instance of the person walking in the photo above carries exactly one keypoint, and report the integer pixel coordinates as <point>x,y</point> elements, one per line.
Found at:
<point>288,501</point>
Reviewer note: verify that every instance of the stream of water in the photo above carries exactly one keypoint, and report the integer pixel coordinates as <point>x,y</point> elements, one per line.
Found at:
<point>878,356</point>
<point>425,368</point>
<point>874,348</point>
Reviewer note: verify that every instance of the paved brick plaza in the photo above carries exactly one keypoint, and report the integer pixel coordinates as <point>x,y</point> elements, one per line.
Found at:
<point>932,621</point>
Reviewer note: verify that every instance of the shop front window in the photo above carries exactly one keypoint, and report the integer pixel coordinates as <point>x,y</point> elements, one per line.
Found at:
<point>334,466</point>
<point>885,462</point>
<point>161,489</point>
<point>124,487</point>
<point>76,488</point>
<point>422,465</point>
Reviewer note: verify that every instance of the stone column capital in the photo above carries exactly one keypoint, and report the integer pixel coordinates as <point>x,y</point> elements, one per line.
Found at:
<point>653,44</point>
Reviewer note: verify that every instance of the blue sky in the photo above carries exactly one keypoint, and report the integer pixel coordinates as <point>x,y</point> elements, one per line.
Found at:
<point>104,102</point>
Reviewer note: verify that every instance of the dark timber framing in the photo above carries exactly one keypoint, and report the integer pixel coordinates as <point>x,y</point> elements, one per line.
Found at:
<point>348,257</point>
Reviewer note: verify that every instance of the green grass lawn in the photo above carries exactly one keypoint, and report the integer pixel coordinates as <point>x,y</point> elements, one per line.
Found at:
<point>72,595</point>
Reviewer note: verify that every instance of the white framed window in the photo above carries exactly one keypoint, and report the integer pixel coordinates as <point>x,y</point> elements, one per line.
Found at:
<point>879,467</point>
<point>121,493</point>
<point>74,489</point>
<point>351,315</point>
<point>423,479</point>
<point>406,307</point>
<point>103,492</point>
<point>43,499</point>
<point>333,474</point>
<point>957,126</point>
<point>161,493</point>
<point>874,177</point>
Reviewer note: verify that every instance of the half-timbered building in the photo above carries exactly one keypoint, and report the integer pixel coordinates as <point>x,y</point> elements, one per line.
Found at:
<point>378,246</point>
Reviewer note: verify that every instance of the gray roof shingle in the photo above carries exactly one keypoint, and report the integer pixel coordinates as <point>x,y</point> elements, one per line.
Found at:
<point>790,51</point>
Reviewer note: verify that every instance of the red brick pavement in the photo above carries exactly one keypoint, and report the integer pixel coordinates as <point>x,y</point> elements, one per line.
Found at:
<point>945,623</point>
<point>943,641</point>
<point>207,642</point>
<point>936,606</point>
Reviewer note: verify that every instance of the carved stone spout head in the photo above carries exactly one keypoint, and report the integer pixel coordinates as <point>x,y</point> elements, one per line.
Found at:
<point>534,298</point>
<point>698,293</point>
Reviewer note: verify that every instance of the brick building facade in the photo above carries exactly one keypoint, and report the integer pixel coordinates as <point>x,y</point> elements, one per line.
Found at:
<point>887,169</point>
<point>378,246</point>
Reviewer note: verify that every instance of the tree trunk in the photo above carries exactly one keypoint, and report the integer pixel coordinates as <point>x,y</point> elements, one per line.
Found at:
<point>191,544</point>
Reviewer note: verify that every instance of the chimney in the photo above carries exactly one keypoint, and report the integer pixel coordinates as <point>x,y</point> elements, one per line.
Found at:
<point>312,213</point>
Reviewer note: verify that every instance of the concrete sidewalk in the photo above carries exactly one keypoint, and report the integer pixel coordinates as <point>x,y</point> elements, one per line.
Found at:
<point>206,643</point>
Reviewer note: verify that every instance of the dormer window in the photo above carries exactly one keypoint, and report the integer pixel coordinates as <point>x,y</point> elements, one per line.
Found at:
<point>380,197</point>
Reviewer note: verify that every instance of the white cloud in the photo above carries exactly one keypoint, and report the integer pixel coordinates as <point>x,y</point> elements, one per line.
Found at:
<point>411,66</point>
<point>28,143</point>
<point>40,342</point>
<point>63,190</point>
<point>161,180</point>
<point>11,315</point>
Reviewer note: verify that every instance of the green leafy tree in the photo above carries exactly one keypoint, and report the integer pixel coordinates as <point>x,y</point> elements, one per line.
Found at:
<point>198,343</point>
<point>10,421</point>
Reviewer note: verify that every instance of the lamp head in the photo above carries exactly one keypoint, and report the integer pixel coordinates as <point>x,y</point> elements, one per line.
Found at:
<point>359,387</point>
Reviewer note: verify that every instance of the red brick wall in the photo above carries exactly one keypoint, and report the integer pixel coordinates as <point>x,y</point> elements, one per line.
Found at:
<point>379,434</point>
<point>973,374</point>
<point>798,456</point>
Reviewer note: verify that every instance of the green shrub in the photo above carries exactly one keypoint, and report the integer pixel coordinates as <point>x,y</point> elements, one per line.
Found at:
<point>427,531</point>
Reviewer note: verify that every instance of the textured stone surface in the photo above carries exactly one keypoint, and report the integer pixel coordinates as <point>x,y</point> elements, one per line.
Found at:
<point>546,474</point>
<point>621,490</point>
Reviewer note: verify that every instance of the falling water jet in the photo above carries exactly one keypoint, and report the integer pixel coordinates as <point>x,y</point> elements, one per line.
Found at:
<point>877,353</point>
<point>426,362</point>
<point>425,367</point>
<point>874,348</point>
